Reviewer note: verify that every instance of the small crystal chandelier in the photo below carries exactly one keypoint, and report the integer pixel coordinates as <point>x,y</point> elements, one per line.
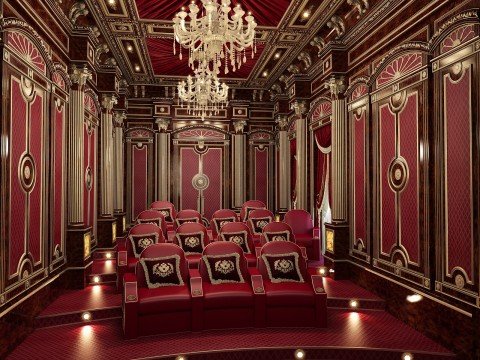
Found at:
<point>215,37</point>
<point>204,94</point>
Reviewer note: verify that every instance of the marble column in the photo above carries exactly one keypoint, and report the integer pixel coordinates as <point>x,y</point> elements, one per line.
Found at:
<point>301,136</point>
<point>283,164</point>
<point>162,162</point>
<point>339,151</point>
<point>239,146</point>
<point>76,176</point>
<point>118,159</point>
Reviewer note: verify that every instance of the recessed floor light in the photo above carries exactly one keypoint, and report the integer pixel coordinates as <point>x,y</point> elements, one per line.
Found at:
<point>299,354</point>
<point>414,298</point>
<point>407,356</point>
<point>353,304</point>
<point>86,316</point>
<point>96,279</point>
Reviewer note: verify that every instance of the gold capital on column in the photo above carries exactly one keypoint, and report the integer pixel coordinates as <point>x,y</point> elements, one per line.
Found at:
<point>79,76</point>
<point>239,125</point>
<point>108,101</point>
<point>119,117</point>
<point>282,122</point>
<point>162,124</point>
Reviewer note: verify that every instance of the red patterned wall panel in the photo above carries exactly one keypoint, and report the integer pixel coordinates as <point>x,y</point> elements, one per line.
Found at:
<point>387,149</point>
<point>359,179</point>
<point>36,209</point>
<point>86,172</point>
<point>189,164</point>
<point>18,138</point>
<point>458,137</point>
<point>213,169</point>
<point>90,174</point>
<point>139,180</point>
<point>261,174</point>
<point>93,191</point>
<point>409,212</point>
<point>58,210</point>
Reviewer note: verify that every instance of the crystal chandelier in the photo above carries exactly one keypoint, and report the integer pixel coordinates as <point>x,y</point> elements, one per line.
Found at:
<point>203,94</point>
<point>216,37</point>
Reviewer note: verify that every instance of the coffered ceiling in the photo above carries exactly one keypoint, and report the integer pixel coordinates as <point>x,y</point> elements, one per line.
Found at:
<point>140,36</point>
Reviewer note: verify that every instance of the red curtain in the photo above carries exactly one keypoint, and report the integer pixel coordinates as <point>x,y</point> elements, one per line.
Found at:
<point>323,139</point>
<point>293,167</point>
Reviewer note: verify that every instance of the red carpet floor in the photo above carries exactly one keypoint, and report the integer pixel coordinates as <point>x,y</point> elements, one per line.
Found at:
<point>375,330</point>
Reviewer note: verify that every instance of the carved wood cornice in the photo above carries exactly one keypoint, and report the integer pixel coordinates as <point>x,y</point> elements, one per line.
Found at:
<point>469,16</point>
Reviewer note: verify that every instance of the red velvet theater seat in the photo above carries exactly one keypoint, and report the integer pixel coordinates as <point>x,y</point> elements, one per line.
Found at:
<point>167,209</point>
<point>128,255</point>
<point>159,300</point>
<point>250,205</point>
<point>293,297</point>
<point>306,234</point>
<point>220,218</point>
<point>228,298</point>
<point>192,238</point>
<point>153,217</point>
<point>184,216</point>
<point>240,234</point>
<point>256,222</point>
<point>276,231</point>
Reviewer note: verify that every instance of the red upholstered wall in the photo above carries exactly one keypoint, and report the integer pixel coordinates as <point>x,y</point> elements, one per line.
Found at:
<point>139,180</point>
<point>458,176</point>
<point>262,173</point>
<point>388,208</point>
<point>58,193</point>
<point>213,169</point>
<point>359,161</point>
<point>189,161</point>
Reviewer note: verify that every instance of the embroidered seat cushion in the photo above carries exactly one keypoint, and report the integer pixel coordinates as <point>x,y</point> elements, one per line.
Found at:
<point>162,271</point>
<point>191,243</point>
<point>259,223</point>
<point>223,268</point>
<point>239,237</point>
<point>248,209</point>
<point>167,214</point>
<point>277,236</point>
<point>141,241</point>
<point>283,267</point>
<point>219,222</point>
<point>187,220</point>
<point>154,221</point>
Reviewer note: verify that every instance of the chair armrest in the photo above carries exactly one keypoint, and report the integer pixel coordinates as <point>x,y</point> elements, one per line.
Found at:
<point>130,306</point>
<point>316,233</point>
<point>317,283</point>
<point>122,259</point>
<point>196,287</point>
<point>258,252</point>
<point>304,252</point>
<point>130,288</point>
<point>257,284</point>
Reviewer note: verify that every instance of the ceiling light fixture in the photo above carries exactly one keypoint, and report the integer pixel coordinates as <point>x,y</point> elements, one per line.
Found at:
<point>137,68</point>
<point>277,55</point>
<point>217,39</point>
<point>129,47</point>
<point>204,94</point>
<point>306,14</point>
<point>265,73</point>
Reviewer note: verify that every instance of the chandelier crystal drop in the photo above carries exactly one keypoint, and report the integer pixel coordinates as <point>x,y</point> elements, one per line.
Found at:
<point>216,39</point>
<point>203,94</point>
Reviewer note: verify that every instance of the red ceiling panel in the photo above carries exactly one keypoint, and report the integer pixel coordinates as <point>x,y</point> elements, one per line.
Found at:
<point>266,12</point>
<point>165,63</point>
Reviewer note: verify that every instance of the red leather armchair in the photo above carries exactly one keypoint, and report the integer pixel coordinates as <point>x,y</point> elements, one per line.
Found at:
<point>306,234</point>
<point>220,218</point>
<point>293,297</point>
<point>164,309</point>
<point>126,257</point>
<point>257,220</point>
<point>154,217</point>
<point>237,233</point>
<point>226,304</point>
<point>250,205</point>
<point>187,215</point>
<point>167,209</point>
<point>192,238</point>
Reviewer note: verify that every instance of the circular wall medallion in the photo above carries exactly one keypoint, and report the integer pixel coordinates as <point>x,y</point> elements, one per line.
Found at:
<point>459,281</point>
<point>200,181</point>
<point>398,174</point>
<point>26,172</point>
<point>88,178</point>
